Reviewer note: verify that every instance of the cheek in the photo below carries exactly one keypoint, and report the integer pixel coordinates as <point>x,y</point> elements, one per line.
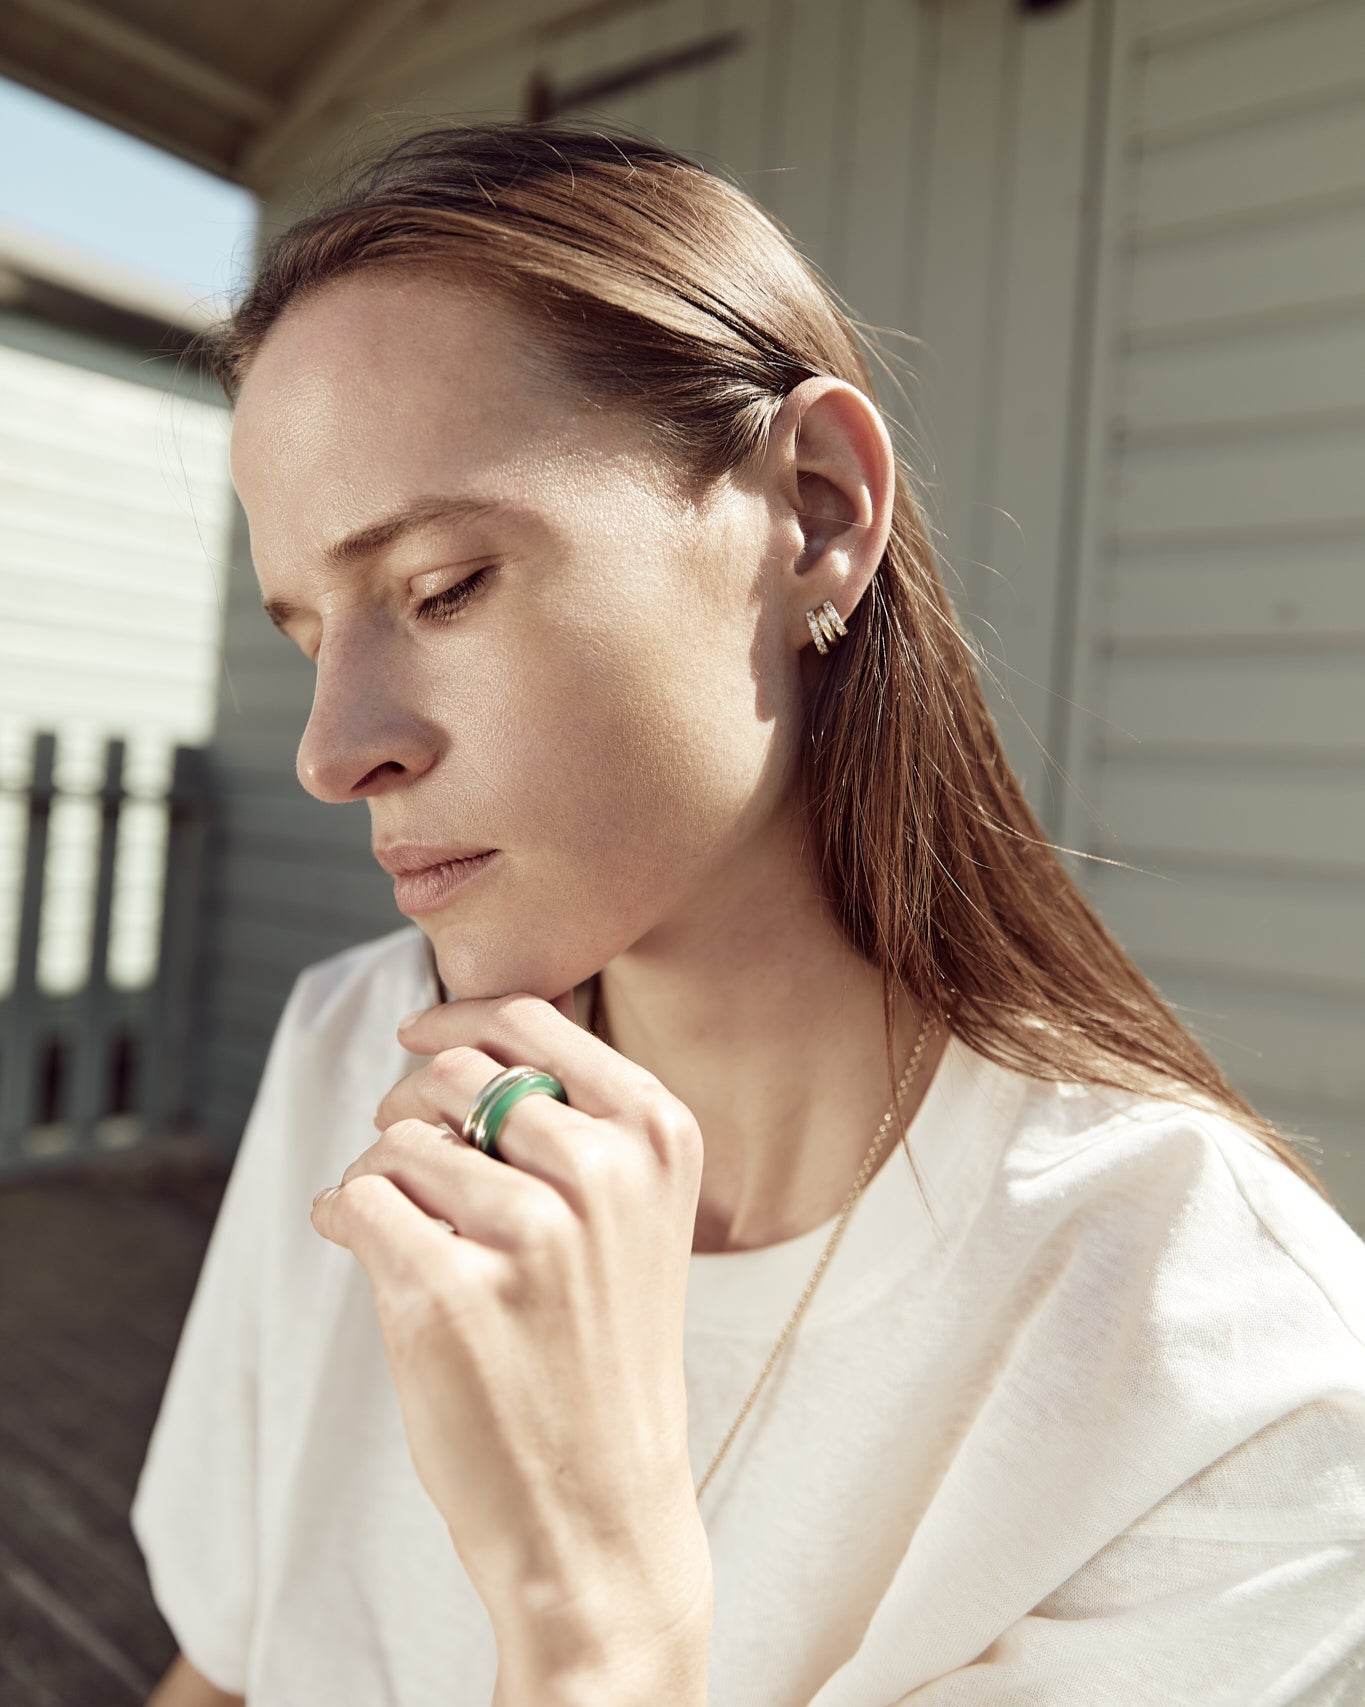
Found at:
<point>623,753</point>
<point>651,754</point>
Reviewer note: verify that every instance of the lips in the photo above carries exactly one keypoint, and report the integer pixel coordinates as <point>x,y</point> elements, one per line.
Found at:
<point>419,892</point>
<point>406,859</point>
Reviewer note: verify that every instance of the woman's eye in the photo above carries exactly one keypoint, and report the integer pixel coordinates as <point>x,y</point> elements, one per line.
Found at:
<point>441,607</point>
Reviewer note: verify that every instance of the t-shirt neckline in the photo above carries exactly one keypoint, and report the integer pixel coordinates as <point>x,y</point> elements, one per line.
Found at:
<point>889,1235</point>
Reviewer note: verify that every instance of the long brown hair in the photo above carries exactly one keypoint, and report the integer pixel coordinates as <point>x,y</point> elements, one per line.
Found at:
<point>655,285</point>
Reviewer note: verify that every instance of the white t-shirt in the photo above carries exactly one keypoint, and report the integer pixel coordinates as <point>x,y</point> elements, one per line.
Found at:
<point>1104,1443</point>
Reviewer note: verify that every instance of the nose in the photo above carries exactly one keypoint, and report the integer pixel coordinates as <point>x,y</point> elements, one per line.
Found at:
<point>364,733</point>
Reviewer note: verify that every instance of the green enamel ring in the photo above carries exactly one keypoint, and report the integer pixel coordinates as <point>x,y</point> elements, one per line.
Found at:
<point>490,1108</point>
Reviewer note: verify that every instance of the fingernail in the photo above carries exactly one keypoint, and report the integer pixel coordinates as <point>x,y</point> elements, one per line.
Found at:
<point>326,1191</point>
<point>408,1019</point>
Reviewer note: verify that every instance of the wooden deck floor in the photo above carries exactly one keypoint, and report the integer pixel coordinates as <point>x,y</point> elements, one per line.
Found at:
<point>96,1273</point>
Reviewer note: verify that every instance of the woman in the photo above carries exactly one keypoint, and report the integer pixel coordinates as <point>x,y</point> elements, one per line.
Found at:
<point>866,1291</point>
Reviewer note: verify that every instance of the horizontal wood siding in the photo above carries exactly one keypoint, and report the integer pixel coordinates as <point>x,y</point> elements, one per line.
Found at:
<point>114,519</point>
<point>1218,739</point>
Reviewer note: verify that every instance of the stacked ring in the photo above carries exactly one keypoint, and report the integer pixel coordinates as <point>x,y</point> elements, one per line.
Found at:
<point>489,1109</point>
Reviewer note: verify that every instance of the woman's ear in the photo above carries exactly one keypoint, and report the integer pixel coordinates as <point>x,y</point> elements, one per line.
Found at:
<point>834,467</point>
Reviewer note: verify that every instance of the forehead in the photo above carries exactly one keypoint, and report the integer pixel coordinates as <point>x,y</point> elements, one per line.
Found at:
<point>386,386</point>
<point>389,357</point>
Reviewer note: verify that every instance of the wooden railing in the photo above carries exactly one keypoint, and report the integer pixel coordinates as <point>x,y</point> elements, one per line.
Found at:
<point>102,1067</point>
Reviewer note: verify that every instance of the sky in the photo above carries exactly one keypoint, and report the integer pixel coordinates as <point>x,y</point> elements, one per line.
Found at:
<point>123,200</point>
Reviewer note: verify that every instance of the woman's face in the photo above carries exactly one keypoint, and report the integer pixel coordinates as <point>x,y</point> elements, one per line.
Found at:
<point>613,702</point>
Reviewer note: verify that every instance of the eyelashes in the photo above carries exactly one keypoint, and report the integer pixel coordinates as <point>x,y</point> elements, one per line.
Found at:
<point>444,606</point>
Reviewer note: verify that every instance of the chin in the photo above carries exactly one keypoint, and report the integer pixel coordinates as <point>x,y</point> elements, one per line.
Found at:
<point>479,963</point>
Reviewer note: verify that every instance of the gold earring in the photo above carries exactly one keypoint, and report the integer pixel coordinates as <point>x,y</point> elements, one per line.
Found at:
<point>826,628</point>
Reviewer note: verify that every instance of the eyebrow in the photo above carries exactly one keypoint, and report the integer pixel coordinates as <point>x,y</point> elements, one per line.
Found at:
<point>407,518</point>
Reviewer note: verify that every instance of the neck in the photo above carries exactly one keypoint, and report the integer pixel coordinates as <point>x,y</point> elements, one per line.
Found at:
<point>768,1025</point>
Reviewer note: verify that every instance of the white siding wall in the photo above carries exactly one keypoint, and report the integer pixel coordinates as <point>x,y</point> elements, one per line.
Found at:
<point>1219,740</point>
<point>114,515</point>
<point>1120,245</point>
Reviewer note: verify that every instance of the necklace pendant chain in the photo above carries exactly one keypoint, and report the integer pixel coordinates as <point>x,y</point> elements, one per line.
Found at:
<point>850,1203</point>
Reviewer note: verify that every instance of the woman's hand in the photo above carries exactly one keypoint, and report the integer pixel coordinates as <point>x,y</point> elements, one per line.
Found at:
<point>537,1351</point>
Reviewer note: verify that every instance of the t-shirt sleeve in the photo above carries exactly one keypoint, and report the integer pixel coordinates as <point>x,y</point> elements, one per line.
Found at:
<point>194,1512</point>
<point>1188,1623</point>
<point>1243,1585</point>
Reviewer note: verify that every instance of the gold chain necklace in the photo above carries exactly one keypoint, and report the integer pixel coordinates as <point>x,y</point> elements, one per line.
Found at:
<point>864,1174</point>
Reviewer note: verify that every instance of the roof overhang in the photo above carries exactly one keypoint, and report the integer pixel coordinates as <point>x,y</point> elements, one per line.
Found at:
<point>247,90</point>
<point>230,88</point>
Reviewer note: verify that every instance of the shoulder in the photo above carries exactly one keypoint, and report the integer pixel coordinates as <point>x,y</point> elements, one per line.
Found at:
<point>1184,1309</point>
<point>1184,1191</point>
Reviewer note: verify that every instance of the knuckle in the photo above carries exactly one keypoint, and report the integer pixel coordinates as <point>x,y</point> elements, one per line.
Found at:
<point>450,1063</point>
<point>540,1227</point>
<point>399,1135</point>
<point>671,1126</point>
<point>593,1160</point>
<point>361,1191</point>
<point>366,1162</point>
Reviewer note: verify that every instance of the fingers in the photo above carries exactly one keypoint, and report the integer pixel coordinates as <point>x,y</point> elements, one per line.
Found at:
<point>538,1135</point>
<point>441,1092</point>
<point>399,1246</point>
<point>616,1113</point>
<point>523,1030</point>
<point>439,1176</point>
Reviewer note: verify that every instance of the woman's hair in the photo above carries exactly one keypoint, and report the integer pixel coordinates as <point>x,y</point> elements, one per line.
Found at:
<point>653,285</point>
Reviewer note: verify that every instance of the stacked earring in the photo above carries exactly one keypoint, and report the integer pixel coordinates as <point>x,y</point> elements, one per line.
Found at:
<point>826,628</point>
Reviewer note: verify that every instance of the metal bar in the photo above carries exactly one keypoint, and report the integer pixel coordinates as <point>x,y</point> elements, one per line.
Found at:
<point>168,1041</point>
<point>89,1084</point>
<point>600,86</point>
<point>17,1052</point>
